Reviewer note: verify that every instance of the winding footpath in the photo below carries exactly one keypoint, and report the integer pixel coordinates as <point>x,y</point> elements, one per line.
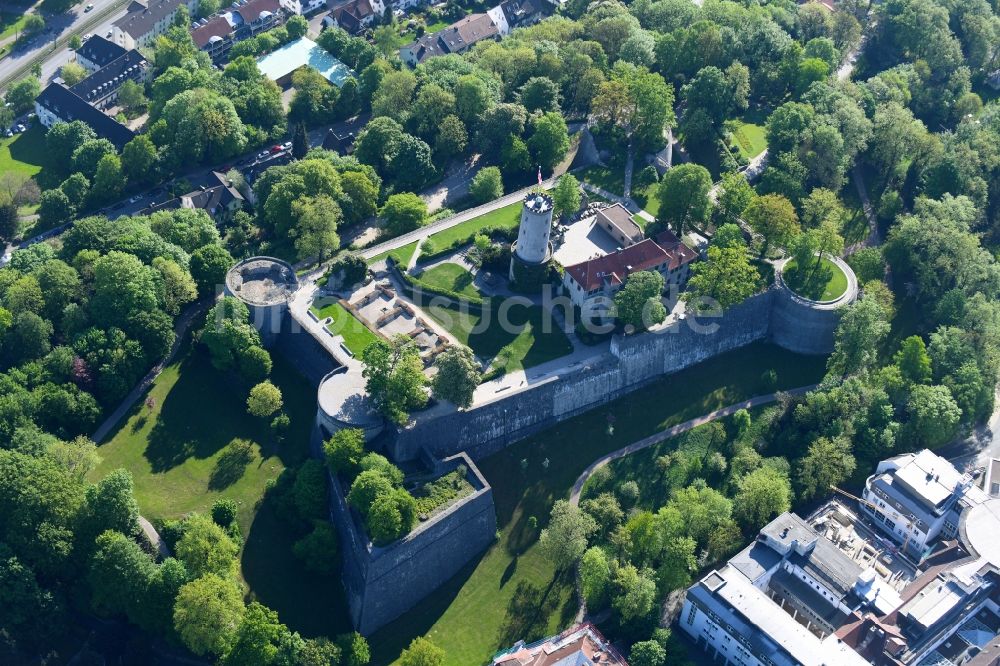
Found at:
<point>574,497</point>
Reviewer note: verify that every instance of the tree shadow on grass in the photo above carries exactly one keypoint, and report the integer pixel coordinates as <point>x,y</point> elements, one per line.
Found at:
<point>231,465</point>
<point>202,413</point>
<point>528,612</point>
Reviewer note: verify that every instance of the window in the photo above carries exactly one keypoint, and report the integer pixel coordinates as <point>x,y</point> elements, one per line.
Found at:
<point>691,615</point>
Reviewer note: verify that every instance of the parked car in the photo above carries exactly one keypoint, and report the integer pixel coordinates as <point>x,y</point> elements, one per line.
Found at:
<point>21,128</point>
<point>276,149</point>
<point>135,199</point>
<point>86,37</point>
<point>286,145</point>
<point>88,8</point>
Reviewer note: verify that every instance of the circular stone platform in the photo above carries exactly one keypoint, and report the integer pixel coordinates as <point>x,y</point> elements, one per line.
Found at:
<point>262,281</point>
<point>805,326</point>
<point>343,403</point>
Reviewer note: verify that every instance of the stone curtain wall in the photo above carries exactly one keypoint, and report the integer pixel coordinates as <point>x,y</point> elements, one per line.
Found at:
<point>383,583</point>
<point>634,361</point>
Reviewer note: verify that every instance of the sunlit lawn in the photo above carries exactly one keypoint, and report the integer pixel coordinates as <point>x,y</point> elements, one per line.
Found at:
<point>511,593</point>
<point>507,217</point>
<point>356,335</point>
<point>823,283</point>
<point>606,178</point>
<point>450,277</point>
<point>401,255</point>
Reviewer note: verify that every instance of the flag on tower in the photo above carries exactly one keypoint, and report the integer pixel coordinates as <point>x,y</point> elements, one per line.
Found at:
<point>539,174</point>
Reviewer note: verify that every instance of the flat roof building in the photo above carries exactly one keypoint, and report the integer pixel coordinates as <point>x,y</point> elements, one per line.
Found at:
<point>303,52</point>
<point>581,645</point>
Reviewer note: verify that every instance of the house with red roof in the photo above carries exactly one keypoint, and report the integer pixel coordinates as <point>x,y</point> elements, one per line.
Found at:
<point>592,284</point>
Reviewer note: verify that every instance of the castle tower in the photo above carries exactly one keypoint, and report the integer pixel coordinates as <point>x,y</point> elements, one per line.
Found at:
<point>531,252</point>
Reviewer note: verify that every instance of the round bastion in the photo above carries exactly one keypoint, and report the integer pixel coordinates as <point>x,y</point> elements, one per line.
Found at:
<point>343,403</point>
<point>265,285</point>
<point>803,325</point>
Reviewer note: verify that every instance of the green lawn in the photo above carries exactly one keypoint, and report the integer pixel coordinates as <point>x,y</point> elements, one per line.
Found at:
<point>530,341</point>
<point>511,593</point>
<point>11,23</point>
<point>450,277</point>
<point>23,153</point>
<point>356,335</point>
<point>606,178</point>
<point>824,283</point>
<point>649,199</point>
<point>508,217</point>
<point>401,255</point>
<point>751,139</point>
<point>178,455</point>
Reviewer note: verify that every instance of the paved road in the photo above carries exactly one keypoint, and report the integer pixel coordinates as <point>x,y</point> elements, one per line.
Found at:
<point>574,496</point>
<point>51,46</point>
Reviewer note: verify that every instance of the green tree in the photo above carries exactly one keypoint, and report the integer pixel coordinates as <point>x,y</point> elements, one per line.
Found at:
<point>403,212</point>
<point>635,592</point>
<point>725,279</point>
<point>177,288</point>
<point>22,93</point>
<point>261,638</point>
<point>118,574</point>
<point>300,141</point>
<point>72,73</point>
<point>108,179</point>
<point>395,379</point>
<point>913,360</point>
<point>735,194</point>
<point>867,264</point>
<point>638,304</point>
<point>206,549</point>
<point>62,140</point>
<point>207,614</point>
<point>76,188</point>
<point>122,286</point>
<point>209,265</point>
<point>132,97</point>
<point>829,462</point>
<point>458,375</point>
<point>297,26</point>
<point>647,653</point>
<point>344,451</point>
<point>566,196</point>
<point>54,208</point>
<point>486,185</point>
<point>318,550</point>
<point>595,578</point>
<point>265,399</point>
<point>422,652</point>
<point>763,494</point>
<point>316,230</point>
<point>684,196</point>
<point>862,328</point>
<point>565,539</point>
<point>773,217</point>
<point>139,160</point>
<point>89,154</point>
<point>934,415</point>
<point>549,141</point>
<point>452,138</point>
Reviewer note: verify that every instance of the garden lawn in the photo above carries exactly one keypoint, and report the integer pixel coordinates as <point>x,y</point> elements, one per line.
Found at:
<point>356,335</point>
<point>177,454</point>
<point>606,178</point>
<point>649,199</point>
<point>24,153</point>
<point>825,284</point>
<point>401,255</point>
<point>450,277</point>
<point>11,22</point>
<point>533,339</point>
<point>751,139</point>
<point>508,217</point>
<point>511,592</point>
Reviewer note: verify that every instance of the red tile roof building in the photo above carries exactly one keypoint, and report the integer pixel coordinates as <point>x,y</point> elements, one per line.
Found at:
<point>597,280</point>
<point>582,645</point>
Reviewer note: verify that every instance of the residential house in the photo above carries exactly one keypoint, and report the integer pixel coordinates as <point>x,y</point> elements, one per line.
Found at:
<point>581,645</point>
<point>100,89</point>
<point>218,198</point>
<point>617,221</point>
<point>917,498</point>
<point>592,284</point>
<point>57,103</point>
<point>98,52</point>
<point>512,14</point>
<point>217,34</point>
<point>459,37</point>
<point>354,16</point>
<point>145,20</point>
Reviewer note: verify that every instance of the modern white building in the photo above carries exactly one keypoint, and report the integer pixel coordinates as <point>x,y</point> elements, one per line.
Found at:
<point>917,498</point>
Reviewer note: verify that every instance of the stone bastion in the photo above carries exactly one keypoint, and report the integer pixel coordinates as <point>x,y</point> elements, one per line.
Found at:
<point>265,285</point>
<point>807,326</point>
<point>384,582</point>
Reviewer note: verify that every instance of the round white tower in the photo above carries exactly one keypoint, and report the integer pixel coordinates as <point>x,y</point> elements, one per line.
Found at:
<point>531,252</point>
<point>532,245</point>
